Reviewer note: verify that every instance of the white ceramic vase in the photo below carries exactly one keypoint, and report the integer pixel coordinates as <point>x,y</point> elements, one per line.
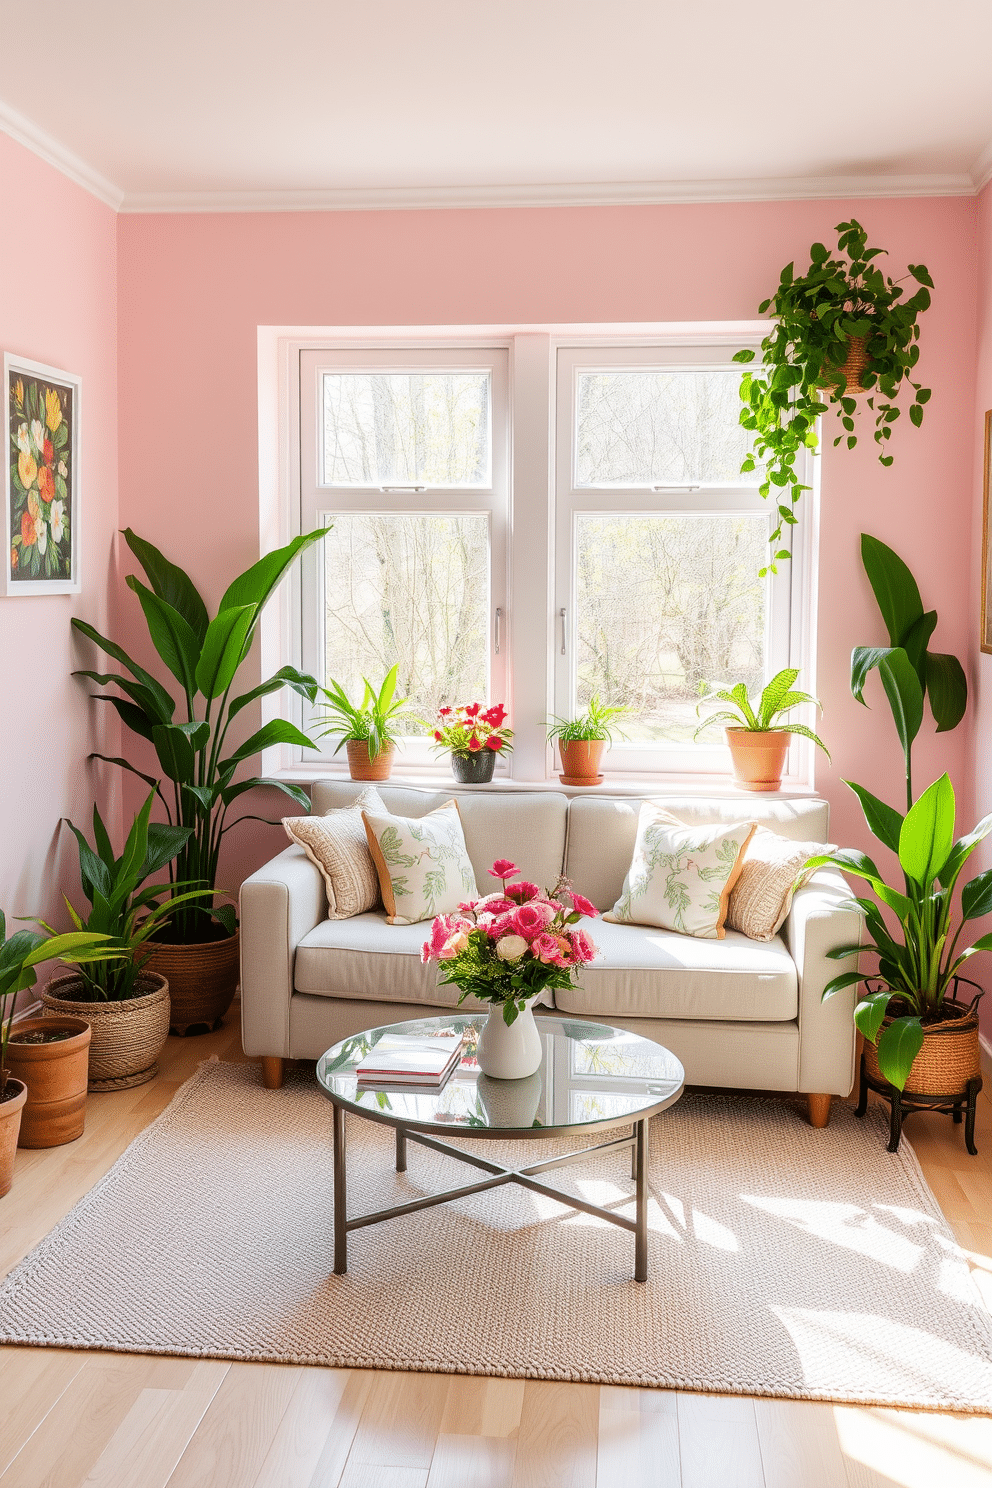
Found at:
<point>509,1051</point>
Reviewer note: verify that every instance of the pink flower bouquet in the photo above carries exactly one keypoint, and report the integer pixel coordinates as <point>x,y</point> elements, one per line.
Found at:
<point>510,946</point>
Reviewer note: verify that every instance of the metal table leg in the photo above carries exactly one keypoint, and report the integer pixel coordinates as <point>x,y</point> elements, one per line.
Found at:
<point>641,1219</point>
<point>400,1151</point>
<point>340,1195</point>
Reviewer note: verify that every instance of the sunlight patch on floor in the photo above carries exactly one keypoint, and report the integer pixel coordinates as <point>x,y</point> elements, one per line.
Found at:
<point>847,1225</point>
<point>915,1450</point>
<point>903,1362</point>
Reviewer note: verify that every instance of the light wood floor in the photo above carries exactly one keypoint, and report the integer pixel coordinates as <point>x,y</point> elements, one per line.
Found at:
<point>127,1421</point>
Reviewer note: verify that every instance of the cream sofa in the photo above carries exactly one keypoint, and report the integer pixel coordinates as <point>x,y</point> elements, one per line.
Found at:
<point>737,1012</point>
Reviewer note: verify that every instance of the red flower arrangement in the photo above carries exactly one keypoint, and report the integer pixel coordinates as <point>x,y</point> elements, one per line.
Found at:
<point>470,729</point>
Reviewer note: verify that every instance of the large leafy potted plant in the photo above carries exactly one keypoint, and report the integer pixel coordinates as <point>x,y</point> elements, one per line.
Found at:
<point>366,729</point>
<point>125,1001</point>
<point>841,328</point>
<point>919,1035</point>
<point>756,735</point>
<point>20,955</point>
<point>582,742</point>
<point>204,656</point>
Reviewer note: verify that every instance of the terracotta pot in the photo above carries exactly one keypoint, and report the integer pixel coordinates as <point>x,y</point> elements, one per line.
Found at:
<point>56,1075</point>
<point>203,979</point>
<point>127,1036</point>
<point>580,761</point>
<point>362,768</point>
<point>950,1057</point>
<point>851,368</point>
<point>10,1123</point>
<point>759,758</point>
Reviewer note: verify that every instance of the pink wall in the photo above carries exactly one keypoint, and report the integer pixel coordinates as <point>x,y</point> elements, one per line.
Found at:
<point>194,288</point>
<point>981,665</point>
<point>58,305</point>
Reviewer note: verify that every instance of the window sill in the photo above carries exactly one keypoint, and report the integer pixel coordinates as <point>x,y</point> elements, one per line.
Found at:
<point>613,785</point>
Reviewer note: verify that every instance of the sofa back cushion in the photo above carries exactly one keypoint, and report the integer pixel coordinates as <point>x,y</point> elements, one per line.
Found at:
<point>602,831</point>
<point>526,826</point>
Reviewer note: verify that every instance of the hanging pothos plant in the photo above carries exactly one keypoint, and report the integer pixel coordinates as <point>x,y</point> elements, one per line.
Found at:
<point>841,328</point>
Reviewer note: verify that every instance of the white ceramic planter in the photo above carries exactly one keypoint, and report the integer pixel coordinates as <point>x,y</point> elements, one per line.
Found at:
<point>509,1051</point>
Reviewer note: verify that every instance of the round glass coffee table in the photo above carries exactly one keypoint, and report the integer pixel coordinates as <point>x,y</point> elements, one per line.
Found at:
<point>592,1078</point>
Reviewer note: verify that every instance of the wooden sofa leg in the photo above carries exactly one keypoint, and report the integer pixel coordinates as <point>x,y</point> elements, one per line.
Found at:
<point>819,1109</point>
<point>272,1072</point>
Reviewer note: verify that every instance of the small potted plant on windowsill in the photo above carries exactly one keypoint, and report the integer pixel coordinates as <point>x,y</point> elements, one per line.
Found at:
<point>366,728</point>
<point>582,742</point>
<point>474,737</point>
<point>758,742</point>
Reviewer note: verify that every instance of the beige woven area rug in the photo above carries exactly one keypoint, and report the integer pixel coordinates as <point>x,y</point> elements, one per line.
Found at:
<point>783,1261</point>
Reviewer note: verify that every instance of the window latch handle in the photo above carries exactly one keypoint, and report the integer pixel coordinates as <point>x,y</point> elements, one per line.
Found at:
<point>675,488</point>
<point>498,627</point>
<point>564,629</point>
<point>402,488</point>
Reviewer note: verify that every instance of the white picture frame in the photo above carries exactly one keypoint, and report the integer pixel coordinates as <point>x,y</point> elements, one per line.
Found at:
<point>42,505</point>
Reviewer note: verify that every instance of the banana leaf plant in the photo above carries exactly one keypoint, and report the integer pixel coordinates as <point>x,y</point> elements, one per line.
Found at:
<point>21,954</point>
<point>121,911</point>
<point>919,949</point>
<point>204,656</point>
<point>909,671</point>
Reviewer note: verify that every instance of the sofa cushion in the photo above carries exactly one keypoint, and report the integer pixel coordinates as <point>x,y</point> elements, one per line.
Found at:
<point>525,826</point>
<point>367,959</point>
<point>602,831</point>
<point>423,864</point>
<point>646,973</point>
<point>336,845</point>
<point>681,877</point>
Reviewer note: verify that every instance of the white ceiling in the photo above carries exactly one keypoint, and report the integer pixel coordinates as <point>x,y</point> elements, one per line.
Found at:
<point>271,103</point>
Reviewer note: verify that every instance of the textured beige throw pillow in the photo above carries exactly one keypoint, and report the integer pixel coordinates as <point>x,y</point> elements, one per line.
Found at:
<point>770,874</point>
<point>337,844</point>
<point>681,877</point>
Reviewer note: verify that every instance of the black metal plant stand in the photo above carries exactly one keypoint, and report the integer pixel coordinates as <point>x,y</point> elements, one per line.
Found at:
<point>963,1107</point>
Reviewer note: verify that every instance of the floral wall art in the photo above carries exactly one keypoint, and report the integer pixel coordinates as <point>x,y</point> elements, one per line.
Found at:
<point>42,549</point>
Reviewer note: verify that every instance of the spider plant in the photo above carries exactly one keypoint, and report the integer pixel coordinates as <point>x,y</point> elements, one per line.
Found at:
<point>594,723</point>
<point>372,721</point>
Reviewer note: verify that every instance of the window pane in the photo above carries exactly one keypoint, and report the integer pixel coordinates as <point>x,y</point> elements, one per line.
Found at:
<point>414,590</point>
<point>406,428</point>
<point>666,606</point>
<point>659,428</point>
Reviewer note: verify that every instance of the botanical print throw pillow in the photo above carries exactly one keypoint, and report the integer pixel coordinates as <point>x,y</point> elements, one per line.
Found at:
<point>337,844</point>
<point>771,872</point>
<point>424,866</point>
<point>681,877</point>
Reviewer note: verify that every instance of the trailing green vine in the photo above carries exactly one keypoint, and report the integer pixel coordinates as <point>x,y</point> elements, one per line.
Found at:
<point>817,315</point>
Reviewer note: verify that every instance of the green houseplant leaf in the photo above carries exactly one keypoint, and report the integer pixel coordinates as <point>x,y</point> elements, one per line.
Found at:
<point>203,655</point>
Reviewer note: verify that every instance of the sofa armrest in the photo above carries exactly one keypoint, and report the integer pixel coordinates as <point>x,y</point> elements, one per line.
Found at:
<point>824,917</point>
<point>280,904</point>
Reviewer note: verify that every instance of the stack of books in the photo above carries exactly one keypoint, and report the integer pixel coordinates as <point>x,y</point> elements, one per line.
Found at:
<point>398,1059</point>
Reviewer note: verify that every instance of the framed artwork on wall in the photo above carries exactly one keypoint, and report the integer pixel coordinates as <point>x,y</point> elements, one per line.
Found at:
<point>42,484</point>
<point>986,538</point>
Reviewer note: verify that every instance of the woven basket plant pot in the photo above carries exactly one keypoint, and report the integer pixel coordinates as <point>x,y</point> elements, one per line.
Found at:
<point>851,369</point>
<point>950,1056</point>
<point>10,1123</point>
<point>580,761</point>
<point>127,1036</point>
<point>56,1074</point>
<point>362,768</point>
<point>203,979</point>
<point>759,757</point>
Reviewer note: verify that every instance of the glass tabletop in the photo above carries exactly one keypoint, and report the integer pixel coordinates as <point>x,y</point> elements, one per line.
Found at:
<point>591,1076</point>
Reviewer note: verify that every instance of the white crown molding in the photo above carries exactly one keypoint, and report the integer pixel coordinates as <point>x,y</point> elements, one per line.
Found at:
<point>27,133</point>
<point>587,194</point>
<point>981,171</point>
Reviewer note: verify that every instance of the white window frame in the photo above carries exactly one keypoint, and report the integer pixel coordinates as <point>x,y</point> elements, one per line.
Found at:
<point>531,579</point>
<point>320,501</point>
<point>574,500</point>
